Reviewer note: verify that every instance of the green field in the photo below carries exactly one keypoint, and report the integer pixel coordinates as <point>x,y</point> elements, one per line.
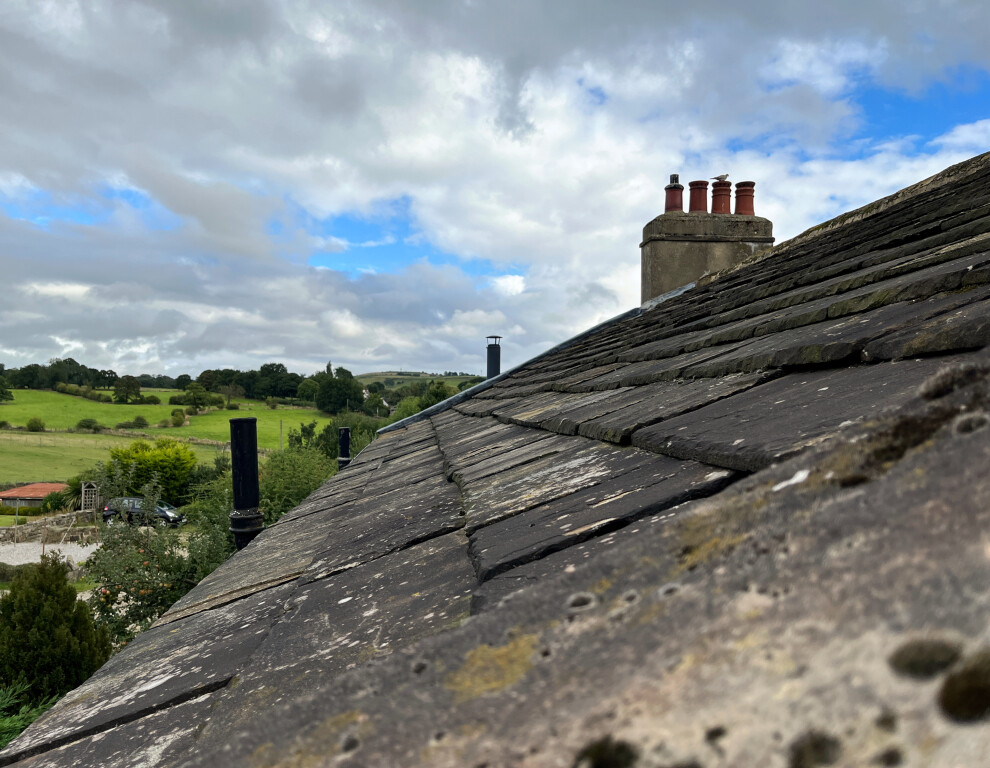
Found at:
<point>33,457</point>
<point>55,456</point>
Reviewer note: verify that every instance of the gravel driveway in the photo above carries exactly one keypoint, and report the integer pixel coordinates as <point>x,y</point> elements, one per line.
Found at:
<point>30,552</point>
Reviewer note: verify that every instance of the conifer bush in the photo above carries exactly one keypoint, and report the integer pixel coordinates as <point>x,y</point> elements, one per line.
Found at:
<point>48,641</point>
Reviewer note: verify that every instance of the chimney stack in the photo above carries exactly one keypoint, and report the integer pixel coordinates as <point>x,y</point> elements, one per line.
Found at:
<point>494,356</point>
<point>678,247</point>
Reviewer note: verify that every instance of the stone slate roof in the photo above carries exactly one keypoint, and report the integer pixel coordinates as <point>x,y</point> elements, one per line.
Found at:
<point>749,525</point>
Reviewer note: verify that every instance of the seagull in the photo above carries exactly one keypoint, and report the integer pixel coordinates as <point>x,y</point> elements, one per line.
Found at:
<point>723,177</point>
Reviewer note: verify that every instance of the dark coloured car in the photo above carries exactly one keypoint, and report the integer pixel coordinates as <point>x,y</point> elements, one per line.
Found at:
<point>132,509</point>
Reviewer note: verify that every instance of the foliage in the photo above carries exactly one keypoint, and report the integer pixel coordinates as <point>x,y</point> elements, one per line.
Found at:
<point>339,392</point>
<point>5,393</point>
<point>17,711</point>
<point>47,637</point>
<point>409,406</point>
<point>126,388</point>
<point>53,502</point>
<point>209,511</point>
<point>140,572</point>
<point>288,477</point>
<point>196,396</point>
<point>35,424</point>
<point>139,421</point>
<point>151,399</point>
<point>435,393</point>
<point>167,461</point>
<point>271,402</point>
<point>91,425</point>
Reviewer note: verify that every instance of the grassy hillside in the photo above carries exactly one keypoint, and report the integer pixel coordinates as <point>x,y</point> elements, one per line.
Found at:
<point>31,457</point>
<point>60,411</point>
<point>57,455</point>
<point>406,377</point>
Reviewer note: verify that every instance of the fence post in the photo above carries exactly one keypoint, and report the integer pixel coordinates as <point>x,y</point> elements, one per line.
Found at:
<point>246,521</point>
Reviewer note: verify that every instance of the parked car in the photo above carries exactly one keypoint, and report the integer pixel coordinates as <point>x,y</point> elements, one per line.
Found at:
<point>131,507</point>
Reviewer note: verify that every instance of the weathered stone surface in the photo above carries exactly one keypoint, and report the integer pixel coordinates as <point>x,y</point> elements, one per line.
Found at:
<point>663,401</point>
<point>751,430</point>
<point>611,504</point>
<point>164,665</point>
<point>161,738</point>
<point>757,619</point>
<point>388,523</point>
<point>580,464</point>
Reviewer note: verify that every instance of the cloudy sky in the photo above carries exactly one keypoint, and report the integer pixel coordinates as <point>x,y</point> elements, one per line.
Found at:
<point>190,184</point>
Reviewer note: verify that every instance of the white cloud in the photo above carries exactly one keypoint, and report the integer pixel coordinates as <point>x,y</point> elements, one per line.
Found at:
<point>481,117</point>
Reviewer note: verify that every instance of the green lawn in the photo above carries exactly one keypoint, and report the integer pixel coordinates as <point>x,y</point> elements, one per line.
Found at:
<point>31,457</point>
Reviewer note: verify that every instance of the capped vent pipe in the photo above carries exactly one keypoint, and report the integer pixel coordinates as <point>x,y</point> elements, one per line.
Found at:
<point>674,197</point>
<point>246,521</point>
<point>343,447</point>
<point>494,356</point>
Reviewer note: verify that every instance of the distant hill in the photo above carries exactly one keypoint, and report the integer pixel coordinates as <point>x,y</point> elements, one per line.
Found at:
<point>394,379</point>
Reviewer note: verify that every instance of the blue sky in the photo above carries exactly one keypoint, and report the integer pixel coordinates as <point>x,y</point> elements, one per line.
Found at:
<point>385,184</point>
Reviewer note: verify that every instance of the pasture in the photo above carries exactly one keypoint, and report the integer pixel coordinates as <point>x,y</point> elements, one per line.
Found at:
<point>57,455</point>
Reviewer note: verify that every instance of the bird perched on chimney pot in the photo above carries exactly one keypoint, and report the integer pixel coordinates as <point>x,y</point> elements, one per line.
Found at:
<point>723,177</point>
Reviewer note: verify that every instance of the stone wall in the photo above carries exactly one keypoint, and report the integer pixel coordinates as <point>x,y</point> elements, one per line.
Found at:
<point>51,530</point>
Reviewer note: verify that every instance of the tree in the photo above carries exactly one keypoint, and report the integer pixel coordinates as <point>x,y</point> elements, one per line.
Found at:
<point>307,389</point>
<point>168,461</point>
<point>5,393</point>
<point>339,393</point>
<point>182,381</point>
<point>125,389</point>
<point>47,637</point>
<point>231,390</point>
<point>436,392</point>
<point>196,395</point>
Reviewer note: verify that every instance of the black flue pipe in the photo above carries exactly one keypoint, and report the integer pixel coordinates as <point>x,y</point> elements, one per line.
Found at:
<point>246,521</point>
<point>344,447</point>
<point>494,356</point>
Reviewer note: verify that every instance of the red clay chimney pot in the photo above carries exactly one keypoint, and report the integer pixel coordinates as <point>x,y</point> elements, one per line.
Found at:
<point>674,198</point>
<point>698,201</point>
<point>744,198</point>
<point>721,197</point>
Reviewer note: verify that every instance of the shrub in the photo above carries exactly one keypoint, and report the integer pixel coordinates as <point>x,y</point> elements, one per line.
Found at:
<point>271,402</point>
<point>47,638</point>
<point>105,398</point>
<point>91,425</point>
<point>124,425</point>
<point>177,400</point>
<point>4,424</point>
<point>233,407</point>
<point>35,424</point>
<point>192,410</point>
<point>287,477</point>
<point>164,423</point>
<point>53,502</point>
<point>17,711</point>
<point>140,421</point>
<point>167,461</point>
<point>140,573</point>
<point>151,400</point>
<point>178,417</point>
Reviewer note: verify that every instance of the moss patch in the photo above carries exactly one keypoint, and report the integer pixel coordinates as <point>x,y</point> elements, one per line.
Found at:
<point>487,669</point>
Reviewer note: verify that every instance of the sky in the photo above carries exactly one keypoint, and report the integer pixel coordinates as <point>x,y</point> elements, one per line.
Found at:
<point>383,183</point>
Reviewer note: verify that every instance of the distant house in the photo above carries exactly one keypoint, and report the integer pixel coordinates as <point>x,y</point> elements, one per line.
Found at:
<point>30,495</point>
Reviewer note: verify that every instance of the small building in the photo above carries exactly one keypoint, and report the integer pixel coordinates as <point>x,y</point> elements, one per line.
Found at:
<point>30,495</point>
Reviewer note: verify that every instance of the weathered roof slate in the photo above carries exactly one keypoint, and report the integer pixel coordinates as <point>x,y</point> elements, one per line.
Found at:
<point>746,525</point>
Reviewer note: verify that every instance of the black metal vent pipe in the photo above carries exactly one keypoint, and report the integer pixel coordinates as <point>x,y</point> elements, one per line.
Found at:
<point>494,356</point>
<point>246,521</point>
<point>344,447</point>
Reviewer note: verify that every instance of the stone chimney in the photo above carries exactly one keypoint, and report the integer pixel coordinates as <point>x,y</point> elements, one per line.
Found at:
<point>680,247</point>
